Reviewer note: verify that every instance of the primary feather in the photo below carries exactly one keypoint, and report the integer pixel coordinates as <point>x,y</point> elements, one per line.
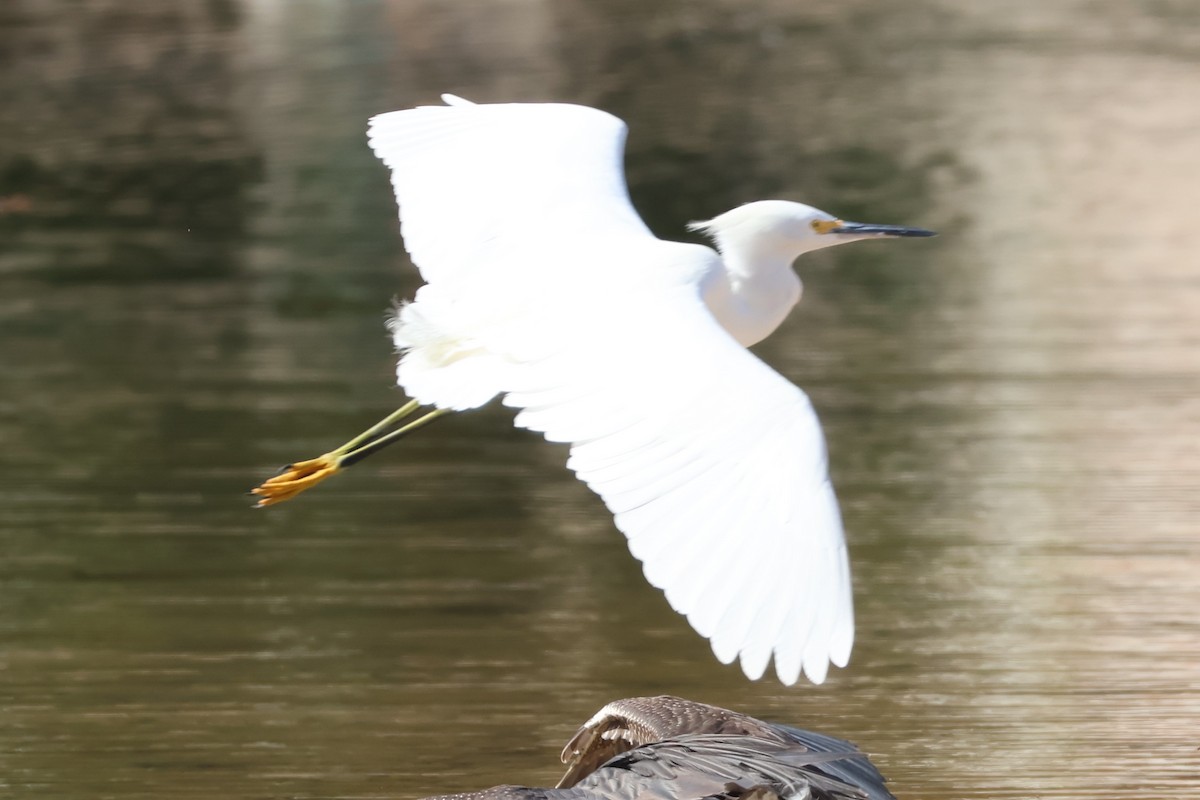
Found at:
<point>544,286</point>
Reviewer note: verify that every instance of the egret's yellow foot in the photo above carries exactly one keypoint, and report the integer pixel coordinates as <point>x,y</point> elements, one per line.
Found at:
<point>295,479</point>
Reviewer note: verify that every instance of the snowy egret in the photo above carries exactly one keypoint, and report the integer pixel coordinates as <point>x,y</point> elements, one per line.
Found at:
<point>667,748</point>
<point>545,287</point>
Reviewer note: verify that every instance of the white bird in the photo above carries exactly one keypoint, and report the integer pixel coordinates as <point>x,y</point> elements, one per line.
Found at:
<point>544,286</point>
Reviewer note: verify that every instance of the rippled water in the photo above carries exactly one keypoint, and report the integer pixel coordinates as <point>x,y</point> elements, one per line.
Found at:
<point>196,253</point>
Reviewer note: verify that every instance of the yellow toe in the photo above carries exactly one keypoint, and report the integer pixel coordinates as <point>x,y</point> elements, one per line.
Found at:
<point>295,479</point>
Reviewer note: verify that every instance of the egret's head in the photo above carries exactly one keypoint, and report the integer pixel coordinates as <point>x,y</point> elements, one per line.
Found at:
<point>790,228</point>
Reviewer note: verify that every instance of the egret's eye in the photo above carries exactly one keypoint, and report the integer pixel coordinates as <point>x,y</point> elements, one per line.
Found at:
<point>824,225</point>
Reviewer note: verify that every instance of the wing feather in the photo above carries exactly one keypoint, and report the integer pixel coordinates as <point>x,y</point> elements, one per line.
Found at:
<point>719,482</point>
<point>463,174</point>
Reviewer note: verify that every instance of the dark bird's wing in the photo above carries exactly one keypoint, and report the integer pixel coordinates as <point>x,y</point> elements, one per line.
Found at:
<point>855,769</point>
<point>667,748</point>
<point>637,721</point>
<point>717,766</point>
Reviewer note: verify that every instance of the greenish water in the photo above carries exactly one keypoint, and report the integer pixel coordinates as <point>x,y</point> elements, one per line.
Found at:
<point>196,254</point>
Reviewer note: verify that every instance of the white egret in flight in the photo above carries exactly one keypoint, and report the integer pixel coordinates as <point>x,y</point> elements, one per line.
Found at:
<point>544,287</point>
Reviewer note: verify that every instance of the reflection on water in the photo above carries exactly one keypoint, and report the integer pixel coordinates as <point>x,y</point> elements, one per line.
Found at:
<point>1012,409</point>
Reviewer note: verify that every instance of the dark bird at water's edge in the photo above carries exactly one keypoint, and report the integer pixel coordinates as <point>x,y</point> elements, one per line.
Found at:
<point>667,748</point>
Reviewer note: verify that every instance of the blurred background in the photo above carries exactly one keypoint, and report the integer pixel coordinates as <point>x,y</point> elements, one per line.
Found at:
<point>197,252</point>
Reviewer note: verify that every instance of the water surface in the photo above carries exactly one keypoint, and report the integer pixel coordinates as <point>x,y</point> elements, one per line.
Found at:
<point>196,254</point>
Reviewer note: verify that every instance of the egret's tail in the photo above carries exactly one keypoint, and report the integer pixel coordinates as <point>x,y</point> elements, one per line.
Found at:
<point>440,363</point>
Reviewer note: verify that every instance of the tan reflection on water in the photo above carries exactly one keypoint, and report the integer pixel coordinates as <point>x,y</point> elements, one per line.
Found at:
<point>1012,409</point>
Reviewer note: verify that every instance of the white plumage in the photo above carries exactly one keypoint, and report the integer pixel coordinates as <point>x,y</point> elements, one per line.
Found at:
<point>544,286</point>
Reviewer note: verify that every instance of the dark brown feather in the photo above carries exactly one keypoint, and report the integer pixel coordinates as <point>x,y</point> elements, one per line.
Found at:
<point>667,748</point>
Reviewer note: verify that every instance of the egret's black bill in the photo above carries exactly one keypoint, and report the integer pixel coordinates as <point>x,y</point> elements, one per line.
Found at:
<point>866,229</point>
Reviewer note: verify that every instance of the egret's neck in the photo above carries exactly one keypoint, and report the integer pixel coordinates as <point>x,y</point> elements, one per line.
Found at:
<point>754,294</point>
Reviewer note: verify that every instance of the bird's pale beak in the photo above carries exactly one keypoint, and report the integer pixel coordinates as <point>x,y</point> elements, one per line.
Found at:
<point>867,229</point>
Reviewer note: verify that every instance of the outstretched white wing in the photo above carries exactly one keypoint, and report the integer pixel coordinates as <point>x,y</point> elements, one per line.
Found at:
<point>712,464</point>
<point>476,183</point>
<point>714,467</point>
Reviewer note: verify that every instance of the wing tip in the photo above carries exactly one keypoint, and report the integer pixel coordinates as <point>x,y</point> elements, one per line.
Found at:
<point>450,100</point>
<point>817,670</point>
<point>455,100</point>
